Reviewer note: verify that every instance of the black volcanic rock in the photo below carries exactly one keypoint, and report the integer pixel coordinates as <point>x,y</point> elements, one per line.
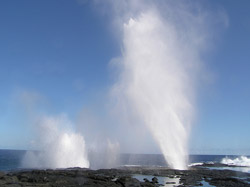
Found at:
<point>154,180</point>
<point>2,175</point>
<point>122,177</point>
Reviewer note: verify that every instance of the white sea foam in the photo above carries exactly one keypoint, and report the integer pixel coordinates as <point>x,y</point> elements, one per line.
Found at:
<point>132,165</point>
<point>59,146</point>
<point>209,162</point>
<point>239,161</point>
<point>195,164</point>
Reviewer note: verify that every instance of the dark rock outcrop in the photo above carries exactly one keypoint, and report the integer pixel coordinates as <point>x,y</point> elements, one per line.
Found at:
<point>122,177</point>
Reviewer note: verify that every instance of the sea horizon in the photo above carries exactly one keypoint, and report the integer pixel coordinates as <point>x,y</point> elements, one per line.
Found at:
<point>12,159</point>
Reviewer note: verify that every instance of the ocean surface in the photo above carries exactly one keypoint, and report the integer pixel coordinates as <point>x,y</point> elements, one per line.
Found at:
<point>12,160</point>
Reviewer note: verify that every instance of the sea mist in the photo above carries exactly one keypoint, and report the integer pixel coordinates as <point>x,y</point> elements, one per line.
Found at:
<point>59,146</point>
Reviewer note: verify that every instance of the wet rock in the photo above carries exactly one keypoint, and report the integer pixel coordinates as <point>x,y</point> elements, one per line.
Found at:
<point>23,177</point>
<point>11,180</point>
<point>129,182</point>
<point>170,183</point>
<point>13,185</point>
<point>121,177</point>
<point>230,182</point>
<point>147,184</point>
<point>2,174</point>
<point>154,180</point>
<point>2,182</point>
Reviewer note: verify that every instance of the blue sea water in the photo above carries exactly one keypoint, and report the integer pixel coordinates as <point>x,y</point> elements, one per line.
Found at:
<point>12,159</point>
<point>158,159</point>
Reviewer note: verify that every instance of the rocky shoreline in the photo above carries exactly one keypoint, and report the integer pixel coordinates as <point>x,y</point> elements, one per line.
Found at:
<point>123,177</point>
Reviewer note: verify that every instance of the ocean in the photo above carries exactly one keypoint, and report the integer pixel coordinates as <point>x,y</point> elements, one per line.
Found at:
<point>158,159</point>
<point>12,160</point>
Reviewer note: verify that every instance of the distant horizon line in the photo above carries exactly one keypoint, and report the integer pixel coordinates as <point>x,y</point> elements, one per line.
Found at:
<point>192,154</point>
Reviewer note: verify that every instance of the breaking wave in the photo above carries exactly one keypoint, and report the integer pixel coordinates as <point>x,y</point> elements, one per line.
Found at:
<point>239,161</point>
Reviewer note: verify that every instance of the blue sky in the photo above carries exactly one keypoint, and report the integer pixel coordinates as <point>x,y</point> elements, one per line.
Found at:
<point>60,51</point>
<point>224,122</point>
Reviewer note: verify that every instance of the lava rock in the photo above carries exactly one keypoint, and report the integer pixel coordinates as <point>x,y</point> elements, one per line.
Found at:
<point>154,180</point>
<point>122,177</point>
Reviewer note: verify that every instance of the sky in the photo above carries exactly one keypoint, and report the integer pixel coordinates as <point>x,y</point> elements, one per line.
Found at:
<point>55,58</point>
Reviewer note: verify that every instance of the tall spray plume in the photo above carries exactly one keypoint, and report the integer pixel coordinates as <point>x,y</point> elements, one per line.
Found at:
<point>159,65</point>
